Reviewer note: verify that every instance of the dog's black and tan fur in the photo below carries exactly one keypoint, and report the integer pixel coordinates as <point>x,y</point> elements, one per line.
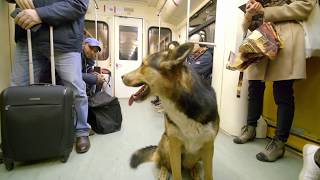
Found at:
<point>191,117</point>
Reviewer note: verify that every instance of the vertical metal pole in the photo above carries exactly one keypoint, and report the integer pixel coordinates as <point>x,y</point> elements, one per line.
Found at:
<point>96,23</point>
<point>188,17</point>
<point>159,25</point>
<point>96,18</point>
<point>159,22</point>
<point>113,60</point>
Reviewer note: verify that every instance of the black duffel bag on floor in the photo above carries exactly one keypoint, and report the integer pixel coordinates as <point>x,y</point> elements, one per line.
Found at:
<point>104,114</point>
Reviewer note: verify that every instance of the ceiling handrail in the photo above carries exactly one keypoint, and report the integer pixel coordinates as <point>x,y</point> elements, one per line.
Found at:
<point>161,8</point>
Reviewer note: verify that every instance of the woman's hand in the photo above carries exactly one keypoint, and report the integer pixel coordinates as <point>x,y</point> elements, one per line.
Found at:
<point>253,7</point>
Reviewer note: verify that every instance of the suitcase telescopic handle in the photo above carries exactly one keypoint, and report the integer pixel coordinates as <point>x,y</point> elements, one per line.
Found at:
<point>31,76</point>
<point>53,69</point>
<point>31,71</point>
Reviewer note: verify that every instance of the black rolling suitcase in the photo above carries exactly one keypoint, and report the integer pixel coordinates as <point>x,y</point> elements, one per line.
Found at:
<point>36,121</point>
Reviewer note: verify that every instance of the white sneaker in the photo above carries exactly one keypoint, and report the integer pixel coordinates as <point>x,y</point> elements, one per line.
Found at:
<point>310,170</point>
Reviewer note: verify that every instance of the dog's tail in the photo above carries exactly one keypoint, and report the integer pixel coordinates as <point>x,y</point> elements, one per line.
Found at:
<point>143,155</point>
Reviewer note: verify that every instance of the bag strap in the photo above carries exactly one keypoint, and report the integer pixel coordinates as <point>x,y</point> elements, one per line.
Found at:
<point>240,80</point>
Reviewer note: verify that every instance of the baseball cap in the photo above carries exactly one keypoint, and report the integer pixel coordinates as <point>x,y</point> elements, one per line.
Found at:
<point>93,43</point>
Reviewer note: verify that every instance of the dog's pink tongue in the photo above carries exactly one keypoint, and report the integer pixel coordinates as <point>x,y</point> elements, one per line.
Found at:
<point>131,100</point>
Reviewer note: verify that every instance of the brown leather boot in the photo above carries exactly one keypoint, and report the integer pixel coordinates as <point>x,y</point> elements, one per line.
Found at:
<point>82,144</point>
<point>273,151</point>
<point>248,134</point>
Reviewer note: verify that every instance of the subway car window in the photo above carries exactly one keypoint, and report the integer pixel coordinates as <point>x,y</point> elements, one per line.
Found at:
<point>103,36</point>
<point>128,43</point>
<point>203,21</point>
<point>153,38</point>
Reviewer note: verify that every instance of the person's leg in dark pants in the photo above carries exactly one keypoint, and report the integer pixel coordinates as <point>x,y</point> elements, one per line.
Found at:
<point>255,106</point>
<point>255,101</point>
<point>283,96</point>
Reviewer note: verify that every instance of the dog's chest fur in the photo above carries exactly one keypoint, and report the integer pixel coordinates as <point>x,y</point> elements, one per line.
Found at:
<point>192,133</point>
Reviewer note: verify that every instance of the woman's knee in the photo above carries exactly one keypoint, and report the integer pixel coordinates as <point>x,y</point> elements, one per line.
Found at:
<point>283,92</point>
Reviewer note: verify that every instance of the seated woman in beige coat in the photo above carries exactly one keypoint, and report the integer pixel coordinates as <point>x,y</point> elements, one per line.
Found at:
<point>289,66</point>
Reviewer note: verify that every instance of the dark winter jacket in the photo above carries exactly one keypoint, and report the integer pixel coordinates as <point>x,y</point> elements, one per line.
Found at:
<point>87,70</point>
<point>67,19</point>
<point>201,62</point>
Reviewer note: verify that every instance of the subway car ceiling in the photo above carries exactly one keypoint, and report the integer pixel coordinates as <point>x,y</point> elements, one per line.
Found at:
<point>173,15</point>
<point>172,11</point>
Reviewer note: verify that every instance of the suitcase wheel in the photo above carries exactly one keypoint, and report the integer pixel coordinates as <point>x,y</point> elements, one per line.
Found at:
<point>9,164</point>
<point>65,158</point>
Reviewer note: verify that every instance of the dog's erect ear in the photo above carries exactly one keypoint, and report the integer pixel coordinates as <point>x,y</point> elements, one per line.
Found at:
<point>178,55</point>
<point>181,52</point>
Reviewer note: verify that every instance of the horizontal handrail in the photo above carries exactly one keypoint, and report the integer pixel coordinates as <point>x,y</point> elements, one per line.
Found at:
<point>204,43</point>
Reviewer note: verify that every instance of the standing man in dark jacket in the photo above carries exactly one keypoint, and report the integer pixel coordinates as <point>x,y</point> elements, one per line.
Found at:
<point>67,19</point>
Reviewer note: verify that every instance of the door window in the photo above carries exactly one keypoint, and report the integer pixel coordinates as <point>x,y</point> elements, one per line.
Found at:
<point>128,43</point>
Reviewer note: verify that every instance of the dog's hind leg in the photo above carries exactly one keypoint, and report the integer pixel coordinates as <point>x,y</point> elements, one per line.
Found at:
<point>163,174</point>
<point>207,157</point>
<point>195,172</point>
<point>175,157</point>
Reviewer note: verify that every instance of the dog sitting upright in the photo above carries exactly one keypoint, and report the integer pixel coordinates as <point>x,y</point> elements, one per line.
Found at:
<point>191,117</point>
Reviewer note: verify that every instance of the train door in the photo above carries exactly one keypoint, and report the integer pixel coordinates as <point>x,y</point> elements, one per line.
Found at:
<point>5,47</point>
<point>127,51</point>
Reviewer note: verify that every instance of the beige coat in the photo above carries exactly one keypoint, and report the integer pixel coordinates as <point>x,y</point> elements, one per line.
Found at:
<point>291,63</point>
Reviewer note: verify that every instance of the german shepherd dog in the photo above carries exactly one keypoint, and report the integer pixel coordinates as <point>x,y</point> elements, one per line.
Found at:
<point>191,117</point>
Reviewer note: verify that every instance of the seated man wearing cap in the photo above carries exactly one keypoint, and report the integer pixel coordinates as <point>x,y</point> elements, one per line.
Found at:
<point>91,47</point>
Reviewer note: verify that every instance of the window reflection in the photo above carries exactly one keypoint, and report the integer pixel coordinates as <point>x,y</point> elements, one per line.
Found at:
<point>205,15</point>
<point>103,37</point>
<point>165,39</point>
<point>128,43</point>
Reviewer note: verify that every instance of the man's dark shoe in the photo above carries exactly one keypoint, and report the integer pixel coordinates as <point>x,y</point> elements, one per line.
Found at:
<point>248,133</point>
<point>82,144</point>
<point>273,151</point>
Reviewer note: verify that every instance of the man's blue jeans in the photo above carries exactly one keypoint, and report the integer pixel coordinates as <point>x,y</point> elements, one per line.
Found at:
<point>68,66</point>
